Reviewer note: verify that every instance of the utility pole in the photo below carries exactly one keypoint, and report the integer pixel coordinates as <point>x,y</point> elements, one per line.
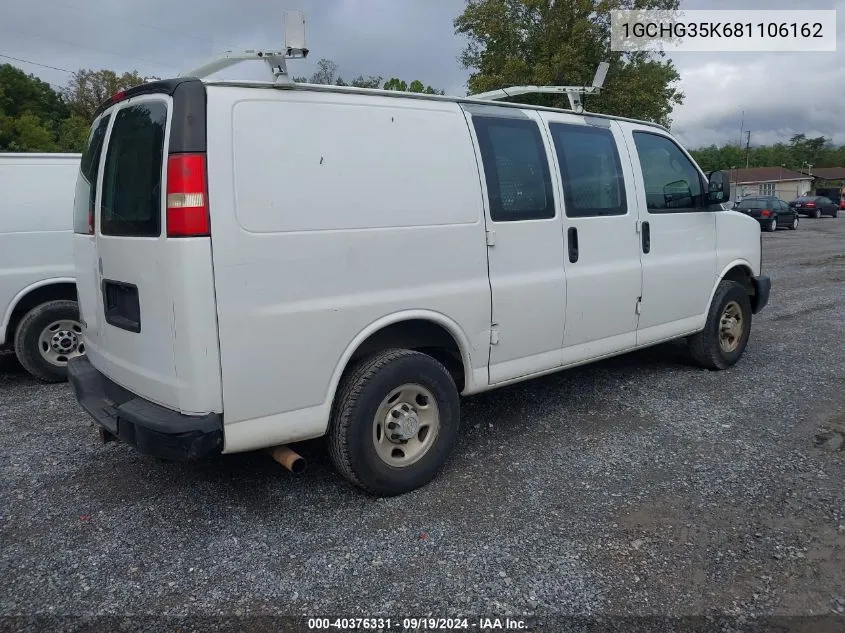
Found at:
<point>747,148</point>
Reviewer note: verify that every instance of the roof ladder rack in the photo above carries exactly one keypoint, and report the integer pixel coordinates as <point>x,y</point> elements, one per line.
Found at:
<point>294,48</point>
<point>575,93</point>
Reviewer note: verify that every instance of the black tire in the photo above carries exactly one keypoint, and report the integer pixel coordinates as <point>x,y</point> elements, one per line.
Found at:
<point>772,225</point>
<point>29,331</point>
<point>794,224</point>
<point>361,392</point>
<point>835,214</point>
<point>705,348</point>
<point>816,214</point>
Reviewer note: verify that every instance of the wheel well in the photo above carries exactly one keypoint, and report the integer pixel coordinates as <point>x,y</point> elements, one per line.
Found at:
<point>42,294</point>
<point>419,335</point>
<point>741,275</point>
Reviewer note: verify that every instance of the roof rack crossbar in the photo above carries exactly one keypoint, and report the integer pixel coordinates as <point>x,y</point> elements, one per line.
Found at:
<point>575,93</point>
<point>294,48</point>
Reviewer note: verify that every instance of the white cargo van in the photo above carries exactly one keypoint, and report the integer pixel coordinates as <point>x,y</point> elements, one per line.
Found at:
<point>38,310</point>
<point>261,264</point>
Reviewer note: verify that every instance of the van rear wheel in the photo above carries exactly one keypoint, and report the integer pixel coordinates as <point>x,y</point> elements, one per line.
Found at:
<point>722,342</point>
<point>47,337</point>
<point>395,422</point>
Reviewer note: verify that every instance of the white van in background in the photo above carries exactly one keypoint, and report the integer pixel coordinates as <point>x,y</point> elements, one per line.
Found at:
<point>38,311</point>
<point>260,264</point>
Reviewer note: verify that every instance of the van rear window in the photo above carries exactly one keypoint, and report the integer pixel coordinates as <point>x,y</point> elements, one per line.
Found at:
<point>87,182</point>
<point>132,177</point>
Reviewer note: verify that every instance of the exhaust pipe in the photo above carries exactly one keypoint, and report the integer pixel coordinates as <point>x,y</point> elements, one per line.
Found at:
<point>288,458</point>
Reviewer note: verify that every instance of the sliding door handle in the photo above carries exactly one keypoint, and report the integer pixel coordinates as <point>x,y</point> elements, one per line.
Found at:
<point>572,239</point>
<point>646,237</point>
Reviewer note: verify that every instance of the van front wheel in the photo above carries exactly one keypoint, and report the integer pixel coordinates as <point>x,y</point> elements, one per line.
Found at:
<point>395,422</point>
<point>722,342</point>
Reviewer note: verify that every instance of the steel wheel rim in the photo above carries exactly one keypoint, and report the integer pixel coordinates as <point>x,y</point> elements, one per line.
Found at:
<point>730,327</point>
<point>795,223</point>
<point>406,425</point>
<point>773,225</point>
<point>60,341</point>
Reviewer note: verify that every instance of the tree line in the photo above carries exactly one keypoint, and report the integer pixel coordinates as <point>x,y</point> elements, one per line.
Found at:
<point>327,74</point>
<point>35,117</point>
<point>509,42</point>
<point>796,154</point>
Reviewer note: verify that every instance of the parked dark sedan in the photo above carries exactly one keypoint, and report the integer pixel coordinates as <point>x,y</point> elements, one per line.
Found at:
<point>815,206</point>
<point>772,213</point>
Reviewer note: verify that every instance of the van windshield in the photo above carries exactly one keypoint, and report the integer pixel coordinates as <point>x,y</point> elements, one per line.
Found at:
<point>132,193</point>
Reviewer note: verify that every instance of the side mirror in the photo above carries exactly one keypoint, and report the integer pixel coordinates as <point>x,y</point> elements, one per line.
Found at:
<point>719,187</point>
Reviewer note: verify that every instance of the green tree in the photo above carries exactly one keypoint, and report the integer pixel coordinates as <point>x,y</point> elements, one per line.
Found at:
<point>88,89</point>
<point>30,112</point>
<point>415,86</point>
<point>326,73</point>
<point>31,134</point>
<point>369,82</point>
<point>73,133</point>
<point>817,151</point>
<point>396,84</point>
<point>20,93</point>
<point>549,42</point>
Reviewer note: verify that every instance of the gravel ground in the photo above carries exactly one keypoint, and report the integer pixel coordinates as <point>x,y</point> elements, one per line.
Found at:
<point>634,487</point>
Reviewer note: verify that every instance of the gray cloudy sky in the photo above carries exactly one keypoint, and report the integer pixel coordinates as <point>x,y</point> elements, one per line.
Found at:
<point>781,93</point>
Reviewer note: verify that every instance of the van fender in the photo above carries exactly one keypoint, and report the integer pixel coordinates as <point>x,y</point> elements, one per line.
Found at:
<point>397,317</point>
<point>17,298</point>
<point>737,262</point>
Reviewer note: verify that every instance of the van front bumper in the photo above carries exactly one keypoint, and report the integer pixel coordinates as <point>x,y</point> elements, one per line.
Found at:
<point>762,289</point>
<point>149,428</point>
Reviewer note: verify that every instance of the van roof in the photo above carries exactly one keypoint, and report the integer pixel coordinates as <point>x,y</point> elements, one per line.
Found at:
<point>39,155</point>
<point>168,86</point>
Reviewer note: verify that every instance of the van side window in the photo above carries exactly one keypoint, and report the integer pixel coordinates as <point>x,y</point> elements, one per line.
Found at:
<point>516,169</point>
<point>87,183</point>
<point>131,200</point>
<point>672,183</point>
<point>593,184</point>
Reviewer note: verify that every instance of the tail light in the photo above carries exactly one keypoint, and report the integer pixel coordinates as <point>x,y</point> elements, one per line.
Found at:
<point>765,213</point>
<point>809,204</point>
<point>187,196</point>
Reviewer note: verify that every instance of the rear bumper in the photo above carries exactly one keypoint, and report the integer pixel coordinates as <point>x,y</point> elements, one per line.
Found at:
<point>151,429</point>
<point>762,289</point>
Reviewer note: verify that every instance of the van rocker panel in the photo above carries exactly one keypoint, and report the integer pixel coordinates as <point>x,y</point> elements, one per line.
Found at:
<point>149,428</point>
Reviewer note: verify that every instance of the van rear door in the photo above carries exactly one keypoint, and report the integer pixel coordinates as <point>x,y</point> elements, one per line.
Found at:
<point>151,304</point>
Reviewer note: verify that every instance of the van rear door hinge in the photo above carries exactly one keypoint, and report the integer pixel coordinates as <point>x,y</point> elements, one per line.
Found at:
<point>494,334</point>
<point>491,238</point>
<point>638,227</point>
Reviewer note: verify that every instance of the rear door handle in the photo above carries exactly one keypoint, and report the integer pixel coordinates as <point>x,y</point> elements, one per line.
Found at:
<point>572,238</point>
<point>646,237</point>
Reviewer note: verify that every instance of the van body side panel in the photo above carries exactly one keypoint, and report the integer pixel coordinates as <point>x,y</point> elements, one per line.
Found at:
<point>527,274</point>
<point>681,266</point>
<point>36,211</point>
<point>605,281</point>
<point>738,239</point>
<point>330,212</point>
